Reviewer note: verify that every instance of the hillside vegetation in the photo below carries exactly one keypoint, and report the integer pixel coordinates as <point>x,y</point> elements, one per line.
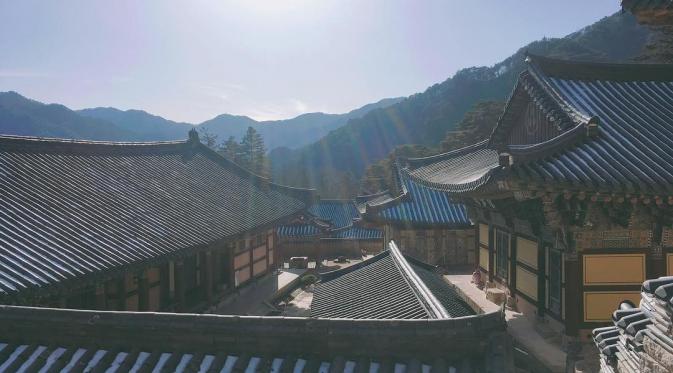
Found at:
<point>424,118</point>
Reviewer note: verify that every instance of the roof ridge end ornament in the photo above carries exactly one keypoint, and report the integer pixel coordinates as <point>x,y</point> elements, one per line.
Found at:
<point>194,136</point>
<point>593,126</point>
<point>505,160</point>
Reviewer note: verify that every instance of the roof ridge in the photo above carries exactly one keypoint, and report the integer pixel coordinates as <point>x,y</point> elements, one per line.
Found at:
<point>432,305</point>
<point>419,161</point>
<point>598,70</point>
<point>62,140</point>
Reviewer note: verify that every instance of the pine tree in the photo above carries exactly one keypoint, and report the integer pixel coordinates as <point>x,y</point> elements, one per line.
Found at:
<point>208,138</point>
<point>231,150</point>
<point>253,152</point>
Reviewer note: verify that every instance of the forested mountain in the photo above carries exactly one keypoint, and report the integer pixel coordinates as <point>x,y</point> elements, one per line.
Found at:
<point>145,126</point>
<point>291,133</point>
<point>424,118</point>
<point>22,116</point>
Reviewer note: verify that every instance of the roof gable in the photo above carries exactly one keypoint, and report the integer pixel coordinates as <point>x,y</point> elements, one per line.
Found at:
<point>387,286</point>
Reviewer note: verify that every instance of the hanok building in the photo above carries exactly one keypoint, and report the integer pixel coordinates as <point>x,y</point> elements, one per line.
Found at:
<point>420,327</point>
<point>427,224</point>
<point>331,228</point>
<point>572,192</point>
<point>132,226</point>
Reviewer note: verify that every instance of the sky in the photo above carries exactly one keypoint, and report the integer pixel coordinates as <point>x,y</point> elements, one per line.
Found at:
<point>267,59</point>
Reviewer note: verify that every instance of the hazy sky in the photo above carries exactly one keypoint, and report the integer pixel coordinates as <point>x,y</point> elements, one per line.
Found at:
<point>268,59</point>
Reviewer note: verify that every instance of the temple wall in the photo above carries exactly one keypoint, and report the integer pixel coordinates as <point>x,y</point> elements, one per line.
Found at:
<point>443,247</point>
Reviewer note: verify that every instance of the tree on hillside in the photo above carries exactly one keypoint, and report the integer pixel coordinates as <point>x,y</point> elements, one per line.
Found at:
<point>231,149</point>
<point>253,152</point>
<point>379,176</point>
<point>476,125</point>
<point>208,138</point>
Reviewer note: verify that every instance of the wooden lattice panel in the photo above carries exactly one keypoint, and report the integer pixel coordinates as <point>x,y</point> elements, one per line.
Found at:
<point>667,237</point>
<point>614,239</point>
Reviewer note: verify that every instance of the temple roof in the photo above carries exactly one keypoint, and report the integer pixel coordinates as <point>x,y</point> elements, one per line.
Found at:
<point>387,286</point>
<point>341,218</point>
<point>417,205</point>
<point>614,126</point>
<point>71,209</point>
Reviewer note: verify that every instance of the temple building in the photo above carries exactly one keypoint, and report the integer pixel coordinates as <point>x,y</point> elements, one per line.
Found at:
<point>426,223</point>
<point>421,326</point>
<point>572,194</point>
<point>133,226</point>
<point>330,229</point>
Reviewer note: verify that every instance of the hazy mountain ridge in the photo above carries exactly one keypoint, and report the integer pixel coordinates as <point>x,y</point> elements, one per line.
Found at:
<point>26,117</point>
<point>424,118</point>
<point>305,128</point>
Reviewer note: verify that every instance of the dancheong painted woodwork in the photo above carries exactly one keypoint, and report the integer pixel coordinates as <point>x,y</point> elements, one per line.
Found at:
<point>572,194</point>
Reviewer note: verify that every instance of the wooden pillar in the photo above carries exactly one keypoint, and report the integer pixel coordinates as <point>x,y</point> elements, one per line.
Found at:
<point>491,252</point>
<point>232,269</point>
<point>573,299</point>
<point>250,248</point>
<point>207,265</point>
<point>180,301</point>
<point>656,263</point>
<point>541,277</point>
<point>512,264</point>
<point>143,292</point>
<point>100,296</point>
<point>217,270</point>
<point>165,285</point>
<point>121,292</point>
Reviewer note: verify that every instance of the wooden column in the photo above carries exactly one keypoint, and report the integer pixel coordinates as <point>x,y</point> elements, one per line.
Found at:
<point>143,292</point>
<point>656,262</point>
<point>491,252</point>
<point>217,270</point>
<point>573,298</point>
<point>512,264</point>
<point>208,268</point>
<point>541,277</point>
<point>180,301</point>
<point>121,293</point>
<point>100,296</point>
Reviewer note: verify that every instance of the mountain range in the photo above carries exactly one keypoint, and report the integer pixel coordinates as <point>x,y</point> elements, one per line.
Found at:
<point>342,156</point>
<point>22,116</point>
<point>333,150</point>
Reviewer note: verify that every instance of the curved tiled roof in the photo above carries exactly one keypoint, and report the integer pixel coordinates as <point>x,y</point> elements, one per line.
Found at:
<point>634,148</point>
<point>340,216</point>
<point>356,233</point>
<point>420,205</point>
<point>459,173</point>
<point>616,123</point>
<point>298,230</point>
<point>387,286</point>
<point>339,213</point>
<point>72,208</point>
